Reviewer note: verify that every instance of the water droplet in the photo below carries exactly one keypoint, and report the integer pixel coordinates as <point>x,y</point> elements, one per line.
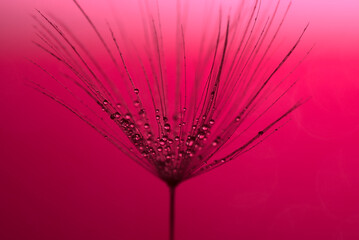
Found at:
<point>177,138</point>
<point>137,137</point>
<point>136,103</point>
<point>237,119</point>
<point>115,115</point>
<point>214,143</point>
<point>205,127</point>
<point>167,127</point>
<point>105,102</point>
<point>157,117</point>
<point>146,126</point>
<point>211,121</point>
<point>201,136</point>
<point>159,149</point>
<point>162,142</point>
<point>136,90</point>
<point>223,160</point>
<point>157,110</point>
<point>189,153</point>
<point>128,116</point>
<point>184,109</point>
<point>118,105</point>
<point>190,142</point>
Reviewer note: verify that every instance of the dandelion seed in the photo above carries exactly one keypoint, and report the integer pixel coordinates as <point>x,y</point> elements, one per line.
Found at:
<point>176,128</point>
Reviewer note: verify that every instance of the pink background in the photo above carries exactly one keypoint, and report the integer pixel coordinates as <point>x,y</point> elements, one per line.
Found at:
<point>59,179</point>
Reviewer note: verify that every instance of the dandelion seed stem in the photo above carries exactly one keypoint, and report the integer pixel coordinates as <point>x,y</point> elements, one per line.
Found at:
<point>172,212</point>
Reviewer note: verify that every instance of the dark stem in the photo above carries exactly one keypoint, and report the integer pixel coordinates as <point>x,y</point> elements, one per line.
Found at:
<point>172,212</point>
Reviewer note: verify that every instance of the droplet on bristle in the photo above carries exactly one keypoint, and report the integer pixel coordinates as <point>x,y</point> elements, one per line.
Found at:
<point>167,127</point>
<point>136,91</point>
<point>201,135</point>
<point>137,137</point>
<point>205,127</point>
<point>115,115</point>
<point>190,141</point>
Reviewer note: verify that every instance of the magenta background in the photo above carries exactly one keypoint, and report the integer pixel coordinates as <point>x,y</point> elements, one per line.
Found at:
<point>61,180</point>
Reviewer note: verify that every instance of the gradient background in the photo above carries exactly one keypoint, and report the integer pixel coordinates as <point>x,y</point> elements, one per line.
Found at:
<point>59,179</point>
